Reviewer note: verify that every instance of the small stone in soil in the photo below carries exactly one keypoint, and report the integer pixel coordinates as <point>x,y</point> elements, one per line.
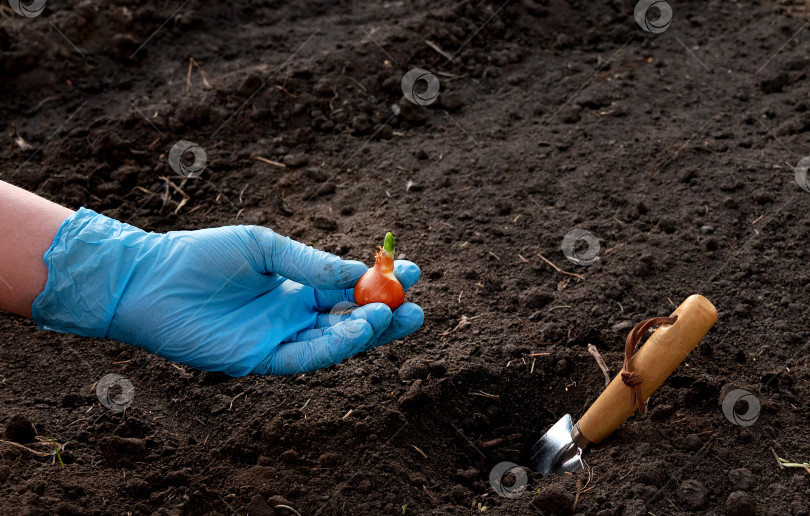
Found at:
<point>652,473</point>
<point>741,479</point>
<point>797,508</point>
<point>413,369</point>
<point>438,368</point>
<point>692,442</point>
<point>554,499</point>
<point>219,404</point>
<point>467,474</point>
<point>417,479</point>
<point>740,503</point>
<point>249,86</point>
<point>644,492</point>
<point>320,189</point>
<point>535,298</point>
<point>693,494</point>
<point>177,478</point>
<point>276,500</point>
<point>411,112</point>
<point>281,206</point>
<point>324,223</point>
<point>329,459</point>
<point>451,100</point>
<point>122,451</point>
<point>289,456</point>
<point>460,494</point>
<point>711,244</point>
<point>662,412</point>
<point>296,160</point>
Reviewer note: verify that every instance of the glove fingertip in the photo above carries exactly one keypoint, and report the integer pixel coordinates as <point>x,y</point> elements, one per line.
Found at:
<point>412,316</point>
<point>407,319</point>
<point>407,272</point>
<point>351,331</point>
<point>378,315</point>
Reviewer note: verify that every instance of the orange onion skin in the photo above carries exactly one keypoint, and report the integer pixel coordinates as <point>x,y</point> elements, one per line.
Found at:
<point>379,285</point>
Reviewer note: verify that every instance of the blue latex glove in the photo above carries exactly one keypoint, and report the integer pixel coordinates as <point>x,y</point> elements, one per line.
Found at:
<point>236,299</point>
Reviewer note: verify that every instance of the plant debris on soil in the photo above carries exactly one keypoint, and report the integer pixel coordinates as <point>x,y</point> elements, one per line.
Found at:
<point>675,149</point>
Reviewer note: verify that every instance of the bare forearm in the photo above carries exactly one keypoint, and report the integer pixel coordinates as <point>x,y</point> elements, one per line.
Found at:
<point>28,224</point>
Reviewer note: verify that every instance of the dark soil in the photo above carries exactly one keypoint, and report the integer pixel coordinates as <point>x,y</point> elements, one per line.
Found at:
<point>675,149</point>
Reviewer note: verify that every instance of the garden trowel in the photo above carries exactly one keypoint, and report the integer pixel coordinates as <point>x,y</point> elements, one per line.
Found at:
<point>559,450</point>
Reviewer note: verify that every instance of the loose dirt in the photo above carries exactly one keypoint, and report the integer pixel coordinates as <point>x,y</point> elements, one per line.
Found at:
<point>676,150</point>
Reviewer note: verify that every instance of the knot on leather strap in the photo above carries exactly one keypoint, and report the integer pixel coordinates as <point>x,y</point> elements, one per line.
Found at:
<point>630,377</point>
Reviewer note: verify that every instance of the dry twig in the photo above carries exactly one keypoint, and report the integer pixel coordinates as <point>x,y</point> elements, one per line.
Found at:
<point>560,270</point>
<point>784,463</point>
<point>48,443</point>
<point>595,352</point>
<point>486,395</point>
<point>579,492</point>
<point>463,321</point>
<point>185,196</point>
<point>193,62</point>
<point>438,49</point>
<point>271,162</point>
<point>420,451</point>
<point>230,407</point>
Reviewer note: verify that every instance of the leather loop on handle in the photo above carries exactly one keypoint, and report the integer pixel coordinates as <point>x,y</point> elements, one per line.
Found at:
<point>653,363</point>
<point>630,377</point>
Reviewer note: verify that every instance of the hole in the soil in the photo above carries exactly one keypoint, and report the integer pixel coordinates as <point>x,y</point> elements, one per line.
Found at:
<point>741,407</point>
<point>653,14</point>
<point>420,86</point>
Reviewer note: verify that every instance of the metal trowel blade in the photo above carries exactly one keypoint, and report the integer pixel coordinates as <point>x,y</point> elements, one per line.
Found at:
<point>556,451</point>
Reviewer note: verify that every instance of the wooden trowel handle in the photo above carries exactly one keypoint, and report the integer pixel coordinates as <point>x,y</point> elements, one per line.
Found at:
<point>655,361</point>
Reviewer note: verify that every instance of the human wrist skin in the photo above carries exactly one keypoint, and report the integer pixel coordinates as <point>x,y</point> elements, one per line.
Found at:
<point>28,224</point>
<point>89,265</point>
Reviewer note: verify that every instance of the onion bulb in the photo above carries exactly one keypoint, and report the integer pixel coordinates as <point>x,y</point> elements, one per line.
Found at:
<point>378,284</point>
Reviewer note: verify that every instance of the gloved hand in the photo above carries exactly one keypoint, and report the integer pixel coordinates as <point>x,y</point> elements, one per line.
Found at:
<point>236,299</point>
